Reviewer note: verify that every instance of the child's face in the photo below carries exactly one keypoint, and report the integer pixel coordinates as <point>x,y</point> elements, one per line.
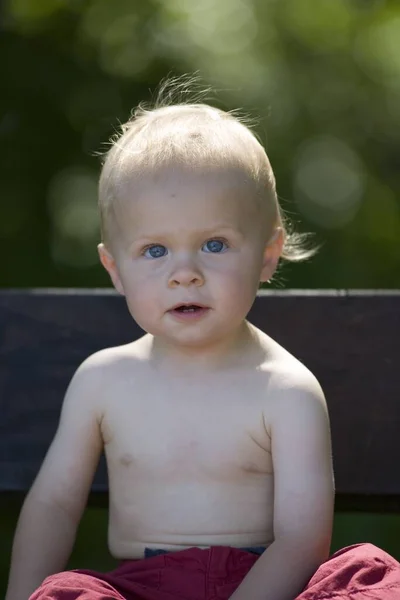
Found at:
<point>194,239</point>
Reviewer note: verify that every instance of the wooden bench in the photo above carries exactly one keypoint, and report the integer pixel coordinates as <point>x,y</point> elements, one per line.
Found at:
<point>350,340</point>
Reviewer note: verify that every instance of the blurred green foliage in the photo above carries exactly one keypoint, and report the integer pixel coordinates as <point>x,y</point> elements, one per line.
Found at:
<point>323,77</point>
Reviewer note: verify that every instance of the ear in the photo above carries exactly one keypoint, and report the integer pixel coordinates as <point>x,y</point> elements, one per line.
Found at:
<point>272,253</point>
<point>108,262</point>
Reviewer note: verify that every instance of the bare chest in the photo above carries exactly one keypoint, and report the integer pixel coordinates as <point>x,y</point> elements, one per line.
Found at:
<point>184,435</point>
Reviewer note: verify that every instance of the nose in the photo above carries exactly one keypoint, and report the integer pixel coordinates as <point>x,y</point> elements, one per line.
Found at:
<point>185,274</point>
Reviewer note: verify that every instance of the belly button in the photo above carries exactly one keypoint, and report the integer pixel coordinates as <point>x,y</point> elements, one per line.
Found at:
<point>126,460</point>
<point>251,467</point>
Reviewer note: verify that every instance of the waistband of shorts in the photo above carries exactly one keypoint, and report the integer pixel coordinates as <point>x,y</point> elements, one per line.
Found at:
<point>150,552</point>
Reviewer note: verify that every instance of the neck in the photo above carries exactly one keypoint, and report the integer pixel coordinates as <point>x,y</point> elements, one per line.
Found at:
<point>224,353</point>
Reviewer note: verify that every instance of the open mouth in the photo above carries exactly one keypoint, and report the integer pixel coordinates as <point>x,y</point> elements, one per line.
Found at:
<point>189,311</point>
<point>188,308</point>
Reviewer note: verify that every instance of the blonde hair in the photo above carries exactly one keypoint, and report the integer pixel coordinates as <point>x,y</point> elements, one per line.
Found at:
<point>179,126</point>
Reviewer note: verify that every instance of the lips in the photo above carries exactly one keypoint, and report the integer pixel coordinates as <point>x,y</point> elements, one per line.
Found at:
<point>188,307</point>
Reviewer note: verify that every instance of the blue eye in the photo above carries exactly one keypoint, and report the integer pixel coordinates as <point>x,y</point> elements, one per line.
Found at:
<point>156,251</point>
<point>214,246</point>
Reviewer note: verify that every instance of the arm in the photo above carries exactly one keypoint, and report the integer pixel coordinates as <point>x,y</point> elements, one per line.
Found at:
<point>303,496</point>
<point>52,510</point>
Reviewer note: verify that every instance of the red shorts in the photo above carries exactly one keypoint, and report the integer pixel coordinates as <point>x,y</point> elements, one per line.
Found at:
<point>359,572</point>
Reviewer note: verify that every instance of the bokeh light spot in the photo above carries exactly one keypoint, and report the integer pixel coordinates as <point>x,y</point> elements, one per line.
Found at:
<point>329,181</point>
<point>72,202</point>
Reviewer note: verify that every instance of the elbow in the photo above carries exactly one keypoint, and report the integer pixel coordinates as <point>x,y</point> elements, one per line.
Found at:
<point>308,548</point>
<point>69,508</point>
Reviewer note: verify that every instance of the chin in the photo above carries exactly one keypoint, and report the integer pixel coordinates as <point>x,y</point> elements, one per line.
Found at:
<point>192,342</point>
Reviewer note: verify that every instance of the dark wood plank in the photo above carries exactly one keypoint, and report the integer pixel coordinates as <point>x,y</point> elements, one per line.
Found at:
<point>348,339</point>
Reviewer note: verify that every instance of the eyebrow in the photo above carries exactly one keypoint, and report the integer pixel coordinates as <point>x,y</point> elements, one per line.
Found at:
<point>221,228</point>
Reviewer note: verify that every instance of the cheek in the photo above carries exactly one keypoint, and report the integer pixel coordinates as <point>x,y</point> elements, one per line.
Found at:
<point>241,272</point>
<point>136,277</point>
<point>236,289</point>
<point>142,292</point>
<point>143,304</point>
<point>140,289</point>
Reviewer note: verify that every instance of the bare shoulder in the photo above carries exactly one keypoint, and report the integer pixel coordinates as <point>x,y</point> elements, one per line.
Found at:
<point>87,384</point>
<point>104,369</point>
<point>102,363</point>
<point>291,385</point>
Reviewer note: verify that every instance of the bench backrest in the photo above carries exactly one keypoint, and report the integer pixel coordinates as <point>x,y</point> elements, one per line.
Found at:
<point>349,340</point>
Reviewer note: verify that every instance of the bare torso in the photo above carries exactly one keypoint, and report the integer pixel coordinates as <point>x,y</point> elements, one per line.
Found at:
<point>189,465</point>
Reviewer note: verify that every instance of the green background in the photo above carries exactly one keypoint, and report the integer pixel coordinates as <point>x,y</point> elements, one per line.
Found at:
<point>321,77</point>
